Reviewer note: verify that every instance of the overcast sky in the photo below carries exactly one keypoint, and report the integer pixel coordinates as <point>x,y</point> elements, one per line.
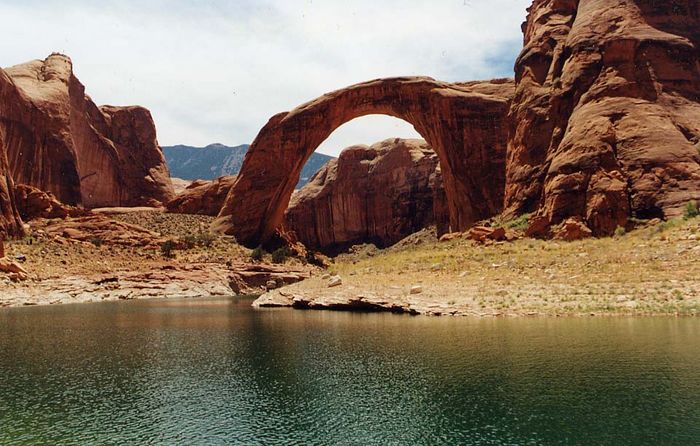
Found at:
<point>215,71</point>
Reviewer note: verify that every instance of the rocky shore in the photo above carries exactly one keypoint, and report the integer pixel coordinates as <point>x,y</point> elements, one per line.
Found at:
<point>650,271</point>
<point>105,256</point>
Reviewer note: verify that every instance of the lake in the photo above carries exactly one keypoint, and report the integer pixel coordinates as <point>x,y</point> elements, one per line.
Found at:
<point>207,372</point>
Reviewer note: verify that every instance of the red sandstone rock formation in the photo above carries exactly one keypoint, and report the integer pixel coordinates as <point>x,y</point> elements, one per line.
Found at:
<point>464,123</point>
<point>100,229</point>
<point>606,117</point>
<point>202,197</point>
<point>10,222</point>
<point>59,141</point>
<point>377,194</point>
<point>33,203</point>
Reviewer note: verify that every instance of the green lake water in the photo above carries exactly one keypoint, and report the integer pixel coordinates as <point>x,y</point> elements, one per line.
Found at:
<point>208,372</point>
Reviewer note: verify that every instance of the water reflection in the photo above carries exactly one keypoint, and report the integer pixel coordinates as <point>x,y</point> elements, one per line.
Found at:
<point>218,372</point>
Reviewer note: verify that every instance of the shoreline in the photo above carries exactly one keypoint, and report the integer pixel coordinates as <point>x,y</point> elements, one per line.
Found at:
<point>189,282</point>
<point>369,309</point>
<point>654,270</point>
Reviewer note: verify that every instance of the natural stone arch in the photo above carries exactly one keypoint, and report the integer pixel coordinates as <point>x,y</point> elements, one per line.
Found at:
<point>464,123</point>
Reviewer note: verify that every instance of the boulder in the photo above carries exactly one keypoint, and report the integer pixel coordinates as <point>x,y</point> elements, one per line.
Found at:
<point>450,237</point>
<point>13,270</point>
<point>33,203</point>
<point>606,115</point>
<point>538,227</point>
<point>202,197</point>
<point>335,281</point>
<point>483,233</point>
<point>572,229</point>
<point>59,141</point>
<point>378,194</point>
<point>247,278</point>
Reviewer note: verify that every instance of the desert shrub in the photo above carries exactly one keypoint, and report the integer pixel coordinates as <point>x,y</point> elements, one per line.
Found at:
<point>280,255</point>
<point>189,241</point>
<point>620,231</point>
<point>257,254</point>
<point>519,223</point>
<point>691,210</point>
<point>167,248</point>
<point>205,239</point>
<point>666,225</point>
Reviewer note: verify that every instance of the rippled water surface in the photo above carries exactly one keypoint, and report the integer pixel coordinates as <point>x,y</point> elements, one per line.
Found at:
<point>207,372</point>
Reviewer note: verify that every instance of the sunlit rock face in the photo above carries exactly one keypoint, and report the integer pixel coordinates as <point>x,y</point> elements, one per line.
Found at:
<point>377,194</point>
<point>59,141</point>
<point>605,123</point>
<point>464,123</point>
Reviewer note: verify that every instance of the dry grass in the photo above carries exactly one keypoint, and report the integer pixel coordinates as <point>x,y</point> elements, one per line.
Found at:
<point>48,258</point>
<point>648,271</point>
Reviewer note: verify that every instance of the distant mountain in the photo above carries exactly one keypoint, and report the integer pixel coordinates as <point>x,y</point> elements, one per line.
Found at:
<point>216,160</point>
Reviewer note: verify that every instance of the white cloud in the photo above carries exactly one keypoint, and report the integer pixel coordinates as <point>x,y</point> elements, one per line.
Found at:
<point>215,71</point>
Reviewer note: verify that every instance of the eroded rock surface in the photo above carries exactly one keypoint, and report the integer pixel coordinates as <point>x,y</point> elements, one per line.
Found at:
<point>464,123</point>
<point>98,229</point>
<point>606,118</point>
<point>33,203</point>
<point>184,281</point>
<point>378,194</point>
<point>59,141</point>
<point>10,222</point>
<point>202,197</point>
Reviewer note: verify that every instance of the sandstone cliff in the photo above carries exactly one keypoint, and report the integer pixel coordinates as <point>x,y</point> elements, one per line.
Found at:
<point>202,197</point>
<point>10,222</point>
<point>378,194</point>
<point>605,124</point>
<point>59,141</point>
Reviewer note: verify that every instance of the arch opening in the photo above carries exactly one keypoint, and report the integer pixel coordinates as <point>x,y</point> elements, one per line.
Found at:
<point>367,130</point>
<point>384,185</point>
<point>464,123</point>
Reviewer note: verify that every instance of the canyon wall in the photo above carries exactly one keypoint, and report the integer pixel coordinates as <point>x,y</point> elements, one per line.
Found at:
<point>605,123</point>
<point>10,222</point>
<point>378,194</point>
<point>59,141</point>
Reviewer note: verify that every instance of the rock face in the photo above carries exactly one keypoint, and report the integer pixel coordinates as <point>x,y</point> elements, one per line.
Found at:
<point>202,197</point>
<point>377,194</point>
<point>10,222</point>
<point>59,141</point>
<point>606,117</point>
<point>464,123</point>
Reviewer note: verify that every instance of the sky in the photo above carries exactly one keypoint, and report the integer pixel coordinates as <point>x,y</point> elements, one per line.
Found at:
<point>215,71</point>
